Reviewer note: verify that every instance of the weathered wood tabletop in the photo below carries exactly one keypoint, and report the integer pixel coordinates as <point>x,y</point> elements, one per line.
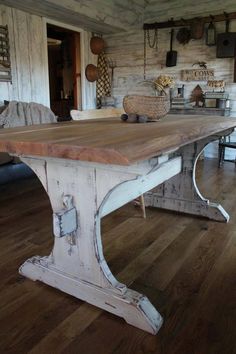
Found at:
<point>111,140</point>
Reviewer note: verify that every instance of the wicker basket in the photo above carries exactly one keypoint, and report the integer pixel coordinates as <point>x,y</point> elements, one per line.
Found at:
<point>154,107</point>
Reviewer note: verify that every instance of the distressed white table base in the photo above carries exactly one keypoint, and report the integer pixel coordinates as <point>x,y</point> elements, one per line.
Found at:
<point>181,194</point>
<point>80,194</point>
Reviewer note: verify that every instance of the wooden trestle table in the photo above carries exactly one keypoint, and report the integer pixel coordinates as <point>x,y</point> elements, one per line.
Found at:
<point>91,168</point>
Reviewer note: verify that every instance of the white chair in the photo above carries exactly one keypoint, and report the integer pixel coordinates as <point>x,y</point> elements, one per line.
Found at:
<point>105,113</point>
<point>96,113</point>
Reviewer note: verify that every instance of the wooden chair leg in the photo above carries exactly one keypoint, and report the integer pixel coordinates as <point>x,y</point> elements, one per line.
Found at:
<point>140,203</point>
<point>142,206</point>
<point>221,155</point>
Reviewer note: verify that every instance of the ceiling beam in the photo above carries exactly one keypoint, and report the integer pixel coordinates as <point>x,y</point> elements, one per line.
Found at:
<point>62,14</point>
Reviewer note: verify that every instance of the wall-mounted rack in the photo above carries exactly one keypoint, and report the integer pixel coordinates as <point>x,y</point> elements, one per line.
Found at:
<point>5,64</point>
<point>182,22</point>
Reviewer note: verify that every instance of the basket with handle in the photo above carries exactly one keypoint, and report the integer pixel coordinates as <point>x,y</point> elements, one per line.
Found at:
<point>154,107</point>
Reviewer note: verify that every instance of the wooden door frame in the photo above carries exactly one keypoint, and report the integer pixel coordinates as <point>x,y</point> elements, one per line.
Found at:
<point>76,50</point>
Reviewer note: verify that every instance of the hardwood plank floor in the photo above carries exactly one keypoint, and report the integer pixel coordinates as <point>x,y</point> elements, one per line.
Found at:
<point>185,265</point>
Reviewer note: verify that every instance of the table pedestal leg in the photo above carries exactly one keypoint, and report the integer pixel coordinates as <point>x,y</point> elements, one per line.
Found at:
<point>181,194</point>
<point>76,264</point>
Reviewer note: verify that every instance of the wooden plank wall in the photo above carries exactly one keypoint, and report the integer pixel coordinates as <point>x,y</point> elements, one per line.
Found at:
<point>28,57</point>
<point>127,51</point>
<point>162,10</point>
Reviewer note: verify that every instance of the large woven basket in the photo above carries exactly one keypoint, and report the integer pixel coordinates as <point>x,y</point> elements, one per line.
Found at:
<point>154,107</point>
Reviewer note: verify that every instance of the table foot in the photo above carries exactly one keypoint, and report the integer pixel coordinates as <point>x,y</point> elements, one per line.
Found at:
<point>180,193</point>
<point>202,208</point>
<point>132,306</point>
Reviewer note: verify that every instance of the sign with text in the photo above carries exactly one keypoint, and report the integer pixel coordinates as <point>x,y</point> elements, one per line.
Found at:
<point>197,74</point>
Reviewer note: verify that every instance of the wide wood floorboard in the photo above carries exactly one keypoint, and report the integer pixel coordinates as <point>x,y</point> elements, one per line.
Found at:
<point>185,265</point>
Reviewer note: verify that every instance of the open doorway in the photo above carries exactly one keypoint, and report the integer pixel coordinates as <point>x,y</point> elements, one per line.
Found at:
<point>64,65</point>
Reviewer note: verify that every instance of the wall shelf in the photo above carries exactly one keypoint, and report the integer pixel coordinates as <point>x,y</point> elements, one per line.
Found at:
<point>202,111</point>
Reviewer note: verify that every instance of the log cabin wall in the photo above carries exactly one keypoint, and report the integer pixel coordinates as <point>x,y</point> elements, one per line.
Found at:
<point>127,51</point>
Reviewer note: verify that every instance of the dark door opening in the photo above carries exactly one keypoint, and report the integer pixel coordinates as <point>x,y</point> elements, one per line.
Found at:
<point>64,70</point>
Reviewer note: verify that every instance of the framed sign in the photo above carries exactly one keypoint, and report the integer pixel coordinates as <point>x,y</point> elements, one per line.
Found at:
<point>197,74</point>
<point>5,65</point>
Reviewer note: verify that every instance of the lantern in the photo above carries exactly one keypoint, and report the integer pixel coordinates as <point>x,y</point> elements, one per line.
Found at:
<point>211,34</point>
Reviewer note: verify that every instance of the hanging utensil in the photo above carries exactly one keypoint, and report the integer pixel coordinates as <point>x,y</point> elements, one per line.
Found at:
<point>211,33</point>
<point>226,43</point>
<point>171,55</point>
<point>184,35</point>
<point>197,28</point>
<point>92,73</point>
<point>97,45</point>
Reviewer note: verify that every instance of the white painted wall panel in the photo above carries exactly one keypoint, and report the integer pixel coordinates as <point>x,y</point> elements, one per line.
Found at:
<point>27,38</point>
<point>89,88</point>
